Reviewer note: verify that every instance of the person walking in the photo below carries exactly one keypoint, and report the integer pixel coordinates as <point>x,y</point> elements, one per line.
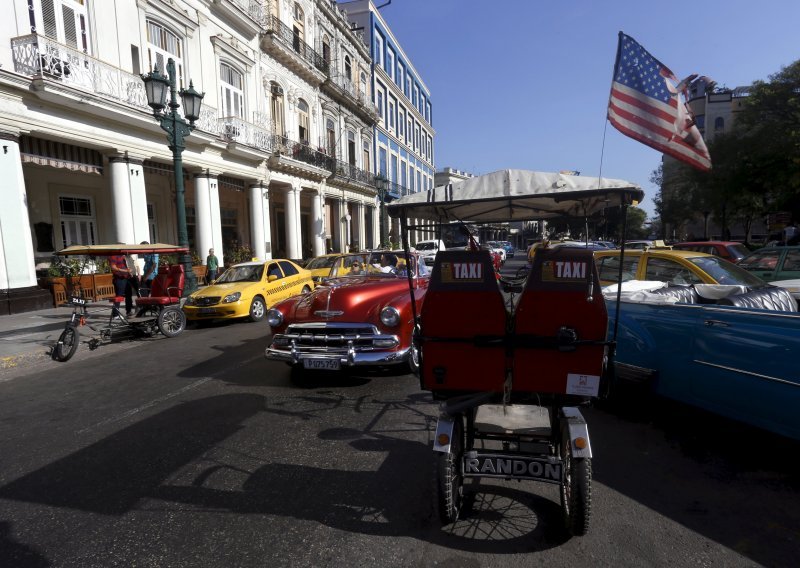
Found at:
<point>124,279</point>
<point>790,234</point>
<point>212,265</point>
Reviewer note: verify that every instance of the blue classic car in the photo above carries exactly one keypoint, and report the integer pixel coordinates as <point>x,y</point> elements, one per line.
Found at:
<point>727,349</point>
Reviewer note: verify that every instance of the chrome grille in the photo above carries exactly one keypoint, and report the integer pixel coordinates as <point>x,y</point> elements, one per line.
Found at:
<point>333,336</point>
<point>208,300</point>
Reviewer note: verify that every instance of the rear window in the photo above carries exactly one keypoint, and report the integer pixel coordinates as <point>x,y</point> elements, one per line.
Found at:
<point>608,268</point>
<point>761,260</point>
<point>724,272</point>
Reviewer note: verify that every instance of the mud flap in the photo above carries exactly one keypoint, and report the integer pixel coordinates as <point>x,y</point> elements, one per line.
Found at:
<point>444,427</point>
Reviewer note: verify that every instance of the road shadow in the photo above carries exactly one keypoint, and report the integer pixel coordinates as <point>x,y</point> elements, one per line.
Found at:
<point>16,554</point>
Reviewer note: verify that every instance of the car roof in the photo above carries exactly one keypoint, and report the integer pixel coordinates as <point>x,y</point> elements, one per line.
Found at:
<point>652,252</point>
<point>701,243</point>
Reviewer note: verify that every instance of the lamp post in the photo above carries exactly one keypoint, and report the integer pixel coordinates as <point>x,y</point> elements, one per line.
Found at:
<point>382,185</point>
<point>177,128</point>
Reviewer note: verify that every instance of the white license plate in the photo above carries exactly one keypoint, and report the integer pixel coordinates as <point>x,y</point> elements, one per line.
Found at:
<point>323,364</point>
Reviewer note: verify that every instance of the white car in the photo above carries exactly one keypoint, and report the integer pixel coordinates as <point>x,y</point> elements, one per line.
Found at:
<point>428,249</point>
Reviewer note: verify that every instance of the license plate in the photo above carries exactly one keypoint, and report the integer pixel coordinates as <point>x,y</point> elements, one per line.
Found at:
<point>511,467</point>
<point>323,364</point>
<point>79,301</point>
<point>208,311</point>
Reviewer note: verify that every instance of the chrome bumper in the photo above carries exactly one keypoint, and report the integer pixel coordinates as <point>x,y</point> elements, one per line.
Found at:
<point>351,358</point>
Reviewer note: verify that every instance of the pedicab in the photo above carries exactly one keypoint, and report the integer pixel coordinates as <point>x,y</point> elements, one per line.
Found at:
<point>159,311</point>
<point>512,361</point>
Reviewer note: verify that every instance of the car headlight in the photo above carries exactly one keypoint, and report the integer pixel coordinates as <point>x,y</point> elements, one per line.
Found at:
<point>232,298</point>
<point>274,317</point>
<point>390,316</point>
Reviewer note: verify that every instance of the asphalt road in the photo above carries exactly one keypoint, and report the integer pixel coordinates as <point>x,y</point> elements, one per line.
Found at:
<point>196,451</point>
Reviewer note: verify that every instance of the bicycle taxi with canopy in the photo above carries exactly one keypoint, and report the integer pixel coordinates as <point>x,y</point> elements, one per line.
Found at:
<point>159,311</point>
<point>512,360</point>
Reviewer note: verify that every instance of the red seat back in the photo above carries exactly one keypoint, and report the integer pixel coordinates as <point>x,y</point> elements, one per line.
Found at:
<point>554,301</point>
<point>462,312</point>
<point>167,286</point>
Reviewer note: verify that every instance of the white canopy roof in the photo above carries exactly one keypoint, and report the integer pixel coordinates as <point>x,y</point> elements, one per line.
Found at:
<point>516,195</point>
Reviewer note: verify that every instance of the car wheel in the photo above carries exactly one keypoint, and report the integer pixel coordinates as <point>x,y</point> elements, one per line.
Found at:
<point>258,309</point>
<point>67,344</point>
<point>576,489</point>
<point>171,322</point>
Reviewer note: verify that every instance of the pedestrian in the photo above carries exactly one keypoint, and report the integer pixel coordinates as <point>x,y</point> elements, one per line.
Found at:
<point>212,265</point>
<point>124,278</point>
<point>149,272</point>
<point>790,234</point>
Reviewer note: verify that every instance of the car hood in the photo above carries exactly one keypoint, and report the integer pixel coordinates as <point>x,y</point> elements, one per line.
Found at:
<point>350,299</point>
<point>222,289</point>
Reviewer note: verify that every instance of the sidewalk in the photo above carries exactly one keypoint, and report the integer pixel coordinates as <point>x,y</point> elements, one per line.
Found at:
<point>29,336</point>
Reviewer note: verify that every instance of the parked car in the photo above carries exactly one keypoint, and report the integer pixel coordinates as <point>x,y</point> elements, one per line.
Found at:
<point>509,248</point>
<point>729,250</point>
<point>359,319</point>
<point>773,263</point>
<point>246,290</point>
<point>429,248</point>
<point>677,267</point>
<point>726,349</point>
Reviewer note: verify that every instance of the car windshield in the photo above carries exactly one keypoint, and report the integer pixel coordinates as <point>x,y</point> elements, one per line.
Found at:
<point>738,251</point>
<point>321,262</point>
<point>425,246</point>
<point>246,273</point>
<point>725,272</point>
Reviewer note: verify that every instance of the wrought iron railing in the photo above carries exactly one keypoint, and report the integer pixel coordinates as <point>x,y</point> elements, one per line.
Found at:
<point>37,55</point>
<point>235,129</point>
<point>208,121</point>
<point>392,189</point>
<point>347,86</point>
<point>286,36</point>
<point>254,8</point>
<point>351,172</point>
<point>303,152</point>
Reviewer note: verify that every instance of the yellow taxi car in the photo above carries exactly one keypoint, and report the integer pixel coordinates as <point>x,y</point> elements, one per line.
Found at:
<point>246,290</point>
<point>675,267</point>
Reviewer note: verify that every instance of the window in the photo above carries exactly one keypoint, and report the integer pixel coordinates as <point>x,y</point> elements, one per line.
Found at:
<point>351,147</point>
<point>394,168</point>
<point>151,223</point>
<point>348,68</point>
<point>401,123</point>
<point>365,156</point>
<point>379,102</point>
<point>161,45</point>
<point>391,112</point>
<point>65,21</point>
<point>416,138</point>
<point>330,131</point>
<point>302,120</point>
<point>669,271</point>
<point>403,174</point>
<point>415,96</point>
<point>326,48</point>
<point>298,28</point>
<point>77,221</point>
<point>428,112</point>
<point>719,124</point>
<point>276,107</point>
<point>232,91</point>
<point>422,104</point>
<point>363,83</point>
<point>390,62</point>
<point>400,76</point>
<point>382,161</point>
<point>288,268</point>
<point>378,54</point>
<point>410,130</point>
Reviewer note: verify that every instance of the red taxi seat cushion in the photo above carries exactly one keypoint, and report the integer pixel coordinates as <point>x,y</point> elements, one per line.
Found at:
<point>463,302</point>
<point>555,296</point>
<point>167,287</point>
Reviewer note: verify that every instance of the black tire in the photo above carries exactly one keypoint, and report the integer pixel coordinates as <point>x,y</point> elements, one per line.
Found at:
<point>67,344</point>
<point>414,354</point>
<point>576,491</point>
<point>171,322</point>
<point>450,478</point>
<point>258,309</point>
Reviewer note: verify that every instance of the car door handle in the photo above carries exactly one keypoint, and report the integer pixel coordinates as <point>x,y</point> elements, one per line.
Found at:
<point>719,323</point>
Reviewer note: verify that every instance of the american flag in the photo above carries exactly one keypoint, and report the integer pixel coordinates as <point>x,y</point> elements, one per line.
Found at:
<point>646,106</point>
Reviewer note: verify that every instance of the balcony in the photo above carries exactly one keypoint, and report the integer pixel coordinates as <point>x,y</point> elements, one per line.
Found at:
<point>299,158</point>
<point>57,64</point>
<point>238,132</point>
<point>249,14</point>
<point>350,175</point>
<point>344,91</point>
<point>280,42</point>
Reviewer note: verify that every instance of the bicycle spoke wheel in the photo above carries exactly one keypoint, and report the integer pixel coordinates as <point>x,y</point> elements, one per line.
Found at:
<point>171,321</point>
<point>67,344</point>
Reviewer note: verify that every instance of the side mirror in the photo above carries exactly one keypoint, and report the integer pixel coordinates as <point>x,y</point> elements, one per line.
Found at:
<point>272,278</point>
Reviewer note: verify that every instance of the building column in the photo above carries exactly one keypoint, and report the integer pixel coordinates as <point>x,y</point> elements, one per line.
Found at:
<point>18,290</point>
<point>361,226</point>
<point>208,221</point>
<point>293,238</point>
<point>318,223</point>
<point>259,221</point>
<point>341,227</point>
<point>128,200</point>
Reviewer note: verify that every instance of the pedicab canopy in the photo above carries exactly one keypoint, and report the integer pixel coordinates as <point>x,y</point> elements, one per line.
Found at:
<point>517,195</point>
<point>121,248</point>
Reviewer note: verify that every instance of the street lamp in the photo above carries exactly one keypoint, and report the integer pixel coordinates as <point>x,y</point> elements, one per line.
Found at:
<point>382,185</point>
<point>177,128</point>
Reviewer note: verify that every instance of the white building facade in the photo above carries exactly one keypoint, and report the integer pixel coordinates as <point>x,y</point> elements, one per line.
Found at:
<point>281,160</point>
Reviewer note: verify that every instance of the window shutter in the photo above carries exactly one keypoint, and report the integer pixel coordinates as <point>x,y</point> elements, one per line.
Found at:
<point>49,16</point>
<point>70,27</point>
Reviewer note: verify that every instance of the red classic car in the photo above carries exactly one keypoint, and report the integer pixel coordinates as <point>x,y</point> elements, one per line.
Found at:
<point>361,317</point>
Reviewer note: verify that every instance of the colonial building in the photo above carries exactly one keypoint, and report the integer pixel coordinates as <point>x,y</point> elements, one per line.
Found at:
<point>404,134</point>
<point>282,159</point>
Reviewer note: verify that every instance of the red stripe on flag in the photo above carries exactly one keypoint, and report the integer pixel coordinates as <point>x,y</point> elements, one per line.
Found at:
<point>642,104</point>
<point>640,120</point>
<point>702,163</point>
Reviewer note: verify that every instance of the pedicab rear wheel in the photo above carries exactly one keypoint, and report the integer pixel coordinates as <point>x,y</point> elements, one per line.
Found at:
<point>171,321</point>
<point>450,476</point>
<point>576,489</point>
<point>67,344</point>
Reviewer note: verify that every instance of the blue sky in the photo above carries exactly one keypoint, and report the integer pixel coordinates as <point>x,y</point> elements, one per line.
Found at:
<point>525,83</point>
